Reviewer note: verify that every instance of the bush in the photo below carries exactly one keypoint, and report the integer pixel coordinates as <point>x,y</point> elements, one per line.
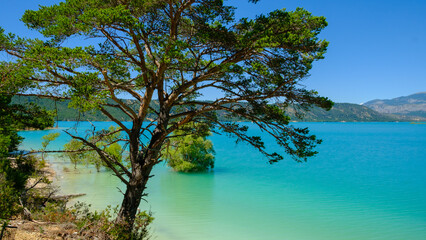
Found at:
<point>95,224</point>
<point>190,152</point>
<point>8,200</point>
<point>14,174</point>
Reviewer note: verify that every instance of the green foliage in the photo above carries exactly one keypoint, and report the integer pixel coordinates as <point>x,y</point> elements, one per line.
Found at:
<point>65,113</point>
<point>340,112</point>
<point>15,170</point>
<point>25,115</point>
<point>80,153</point>
<point>18,116</point>
<point>99,224</point>
<point>48,138</point>
<point>46,141</point>
<point>8,199</point>
<point>74,146</point>
<point>199,45</point>
<point>189,153</point>
<point>107,142</point>
<point>14,193</point>
<point>9,139</point>
<point>116,231</point>
<point>172,51</point>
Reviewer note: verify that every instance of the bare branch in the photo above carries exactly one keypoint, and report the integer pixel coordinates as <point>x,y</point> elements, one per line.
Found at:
<point>114,119</point>
<point>109,161</point>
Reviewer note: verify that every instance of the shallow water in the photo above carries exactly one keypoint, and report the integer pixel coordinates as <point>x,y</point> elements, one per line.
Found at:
<point>367,182</point>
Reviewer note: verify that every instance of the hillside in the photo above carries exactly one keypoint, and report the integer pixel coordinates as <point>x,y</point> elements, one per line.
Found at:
<point>341,112</point>
<point>69,114</point>
<point>413,105</point>
<point>346,112</point>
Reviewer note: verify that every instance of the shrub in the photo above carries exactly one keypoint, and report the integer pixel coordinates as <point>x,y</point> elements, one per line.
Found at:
<point>95,224</point>
<point>190,152</point>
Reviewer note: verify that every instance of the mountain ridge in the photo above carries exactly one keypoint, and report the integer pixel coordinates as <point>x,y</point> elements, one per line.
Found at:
<point>341,112</point>
<point>413,105</point>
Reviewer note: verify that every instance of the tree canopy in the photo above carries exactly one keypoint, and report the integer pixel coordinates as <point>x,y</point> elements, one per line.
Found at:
<point>15,170</point>
<point>190,152</point>
<point>171,51</point>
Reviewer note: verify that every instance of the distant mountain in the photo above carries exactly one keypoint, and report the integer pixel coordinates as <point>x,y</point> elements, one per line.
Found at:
<point>346,112</point>
<point>341,112</point>
<point>412,105</point>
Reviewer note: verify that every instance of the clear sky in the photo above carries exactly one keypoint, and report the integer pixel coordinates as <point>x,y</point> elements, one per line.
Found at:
<point>377,47</point>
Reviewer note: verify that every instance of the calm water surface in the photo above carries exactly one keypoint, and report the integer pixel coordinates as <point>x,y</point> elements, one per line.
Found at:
<point>367,182</point>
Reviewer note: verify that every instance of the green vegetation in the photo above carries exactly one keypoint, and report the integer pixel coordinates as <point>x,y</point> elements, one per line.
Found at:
<point>15,170</point>
<point>46,141</point>
<point>81,153</point>
<point>72,151</point>
<point>96,224</point>
<point>171,51</point>
<point>13,179</point>
<point>17,195</point>
<point>341,112</point>
<point>19,116</point>
<point>190,152</point>
<point>20,195</point>
<point>65,113</point>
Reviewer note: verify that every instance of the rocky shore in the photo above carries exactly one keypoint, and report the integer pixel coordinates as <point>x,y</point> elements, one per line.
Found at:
<point>19,229</point>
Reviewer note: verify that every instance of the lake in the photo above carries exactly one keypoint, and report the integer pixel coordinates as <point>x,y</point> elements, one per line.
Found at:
<point>367,182</point>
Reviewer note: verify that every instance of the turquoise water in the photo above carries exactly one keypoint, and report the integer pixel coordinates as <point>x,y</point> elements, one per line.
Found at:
<point>367,182</point>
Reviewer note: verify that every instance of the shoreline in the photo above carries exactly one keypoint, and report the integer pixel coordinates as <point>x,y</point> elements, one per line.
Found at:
<point>35,129</point>
<point>20,229</point>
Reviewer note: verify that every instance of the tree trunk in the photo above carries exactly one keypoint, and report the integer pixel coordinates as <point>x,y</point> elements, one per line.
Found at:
<point>133,196</point>
<point>130,204</point>
<point>142,164</point>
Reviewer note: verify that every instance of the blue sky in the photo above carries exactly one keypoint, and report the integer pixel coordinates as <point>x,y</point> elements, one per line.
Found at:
<point>377,48</point>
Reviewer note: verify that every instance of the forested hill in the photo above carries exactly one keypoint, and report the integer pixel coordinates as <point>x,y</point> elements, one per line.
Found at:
<point>347,112</point>
<point>341,112</point>
<point>70,114</point>
<point>412,105</point>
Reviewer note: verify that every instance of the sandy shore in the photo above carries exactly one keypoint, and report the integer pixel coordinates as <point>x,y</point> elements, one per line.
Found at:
<point>38,230</point>
<point>35,230</point>
<point>48,172</point>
